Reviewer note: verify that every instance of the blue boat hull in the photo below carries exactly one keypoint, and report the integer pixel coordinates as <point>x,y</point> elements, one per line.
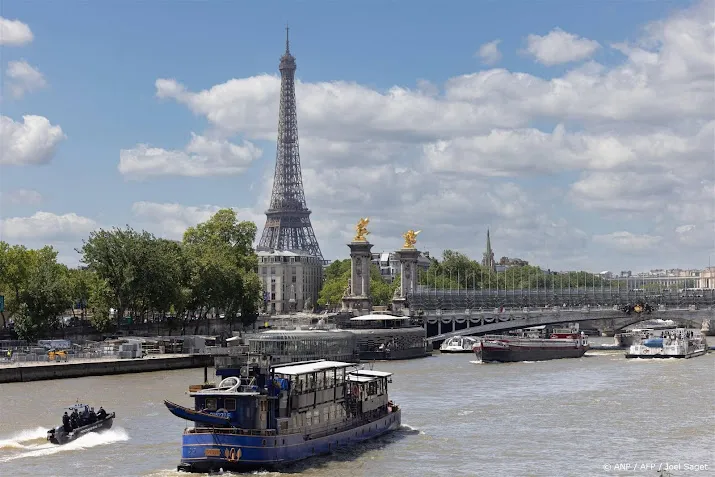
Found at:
<point>206,452</point>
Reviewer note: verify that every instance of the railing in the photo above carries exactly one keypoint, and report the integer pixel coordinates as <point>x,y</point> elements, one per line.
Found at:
<point>231,430</point>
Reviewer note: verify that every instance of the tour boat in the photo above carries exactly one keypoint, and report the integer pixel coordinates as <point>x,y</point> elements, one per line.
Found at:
<point>565,343</point>
<point>675,343</point>
<point>271,416</point>
<point>458,344</point>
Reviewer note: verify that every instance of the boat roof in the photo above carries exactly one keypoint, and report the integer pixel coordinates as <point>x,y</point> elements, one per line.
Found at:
<point>375,317</point>
<point>359,379</point>
<point>366,372</point>
<point>310,367</point>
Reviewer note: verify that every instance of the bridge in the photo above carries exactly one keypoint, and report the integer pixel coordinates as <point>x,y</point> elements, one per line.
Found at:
<point>466,312</point>
<point>469,322</point>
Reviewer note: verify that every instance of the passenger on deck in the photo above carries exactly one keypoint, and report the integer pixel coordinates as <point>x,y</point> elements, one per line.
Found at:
<point>92,415</point>
<point>66,423</point>
<point>101,414</point>
<point>74,419</point>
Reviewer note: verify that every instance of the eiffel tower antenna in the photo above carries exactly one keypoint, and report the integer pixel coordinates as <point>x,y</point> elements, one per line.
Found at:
<point>288,224</point>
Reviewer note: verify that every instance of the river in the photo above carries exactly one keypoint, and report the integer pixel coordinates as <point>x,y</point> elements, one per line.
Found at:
<point>598,415</point>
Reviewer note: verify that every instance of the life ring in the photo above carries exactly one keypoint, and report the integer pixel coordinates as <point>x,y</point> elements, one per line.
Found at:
<point>646,351</point>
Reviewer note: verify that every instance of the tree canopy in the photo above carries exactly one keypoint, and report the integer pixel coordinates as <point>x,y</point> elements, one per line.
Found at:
<point>337,275</point>
<point>134,276</point>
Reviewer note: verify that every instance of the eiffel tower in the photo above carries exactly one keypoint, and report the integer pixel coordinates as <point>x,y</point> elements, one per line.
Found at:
<point>288,224</point>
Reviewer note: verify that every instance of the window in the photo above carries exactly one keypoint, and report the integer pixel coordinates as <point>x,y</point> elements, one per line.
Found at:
<point>210,404</point>
<point>273,270</point>
<point>293,278</point>
<point>230,404</point>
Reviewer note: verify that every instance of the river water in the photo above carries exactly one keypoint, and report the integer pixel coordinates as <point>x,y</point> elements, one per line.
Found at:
<point>598,415</point>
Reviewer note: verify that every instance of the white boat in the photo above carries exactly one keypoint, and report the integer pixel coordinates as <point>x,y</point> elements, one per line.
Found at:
<point>673,343</point>
<point>458,344</point>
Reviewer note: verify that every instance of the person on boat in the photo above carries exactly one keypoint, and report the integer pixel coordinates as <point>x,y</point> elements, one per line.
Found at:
<point>101,414</point>
<point>74,419</point>
<point>92,415</point>
<point>66,423</point>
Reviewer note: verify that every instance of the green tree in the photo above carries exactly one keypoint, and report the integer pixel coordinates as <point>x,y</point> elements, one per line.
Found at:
<point>222,266</point>
<point>337,275</point>
<point>14,276</point>
<point>45,296</point>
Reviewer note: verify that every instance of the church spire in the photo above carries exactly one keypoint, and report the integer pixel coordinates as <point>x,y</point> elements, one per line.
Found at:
<point>488,259</point>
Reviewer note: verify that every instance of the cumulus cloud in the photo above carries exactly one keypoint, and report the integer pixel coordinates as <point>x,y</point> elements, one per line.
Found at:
<point>170,220</point>
<point>46,227</point>
<point>23,78</point>
<point>14,32</point>
<point>558,47</point>
<point>489,52</point>
<point>20,197</point>
<point>202,157</point>
<point>514,151</point>
<point>33,141</point>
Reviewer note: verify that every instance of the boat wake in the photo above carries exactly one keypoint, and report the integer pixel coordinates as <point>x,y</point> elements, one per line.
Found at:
<point>407,429</point>
<point>22,439</point>
<point>93,439</point>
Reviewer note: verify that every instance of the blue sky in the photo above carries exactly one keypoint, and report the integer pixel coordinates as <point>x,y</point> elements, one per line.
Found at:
<point>100,62</point>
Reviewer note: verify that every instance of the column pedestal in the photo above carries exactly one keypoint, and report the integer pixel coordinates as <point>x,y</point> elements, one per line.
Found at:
<point>357,296</point>
<point>408,279</point>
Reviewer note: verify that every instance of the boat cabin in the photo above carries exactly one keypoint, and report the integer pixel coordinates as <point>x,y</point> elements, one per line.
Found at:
<point>298,397</point>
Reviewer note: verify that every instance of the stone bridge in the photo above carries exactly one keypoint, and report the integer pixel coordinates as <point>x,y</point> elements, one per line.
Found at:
<point>441,324</point>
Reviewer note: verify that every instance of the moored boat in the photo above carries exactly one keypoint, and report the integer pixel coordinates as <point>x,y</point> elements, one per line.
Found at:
<point>675,343</point>
<point>81,421</point>
<point>271,416</point>
<point>458,344</point>
<point>565,343</point>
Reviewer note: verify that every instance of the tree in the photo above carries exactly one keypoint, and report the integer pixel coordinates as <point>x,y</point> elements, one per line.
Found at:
<point>15,264</point>
<point>337,275</point>
<point>45,296</point>
<point>113,256</point>
<point>222,266</point>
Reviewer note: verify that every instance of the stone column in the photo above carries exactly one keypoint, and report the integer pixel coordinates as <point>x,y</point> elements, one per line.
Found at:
<point>408,278</point>
<point>357,296</point>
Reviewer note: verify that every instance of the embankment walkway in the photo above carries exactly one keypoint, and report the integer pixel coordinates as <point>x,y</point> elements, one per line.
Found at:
<point>79,368</point>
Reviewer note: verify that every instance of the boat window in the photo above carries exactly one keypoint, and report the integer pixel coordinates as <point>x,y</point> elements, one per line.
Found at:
<point>210,404</point>
<point>230,404</point>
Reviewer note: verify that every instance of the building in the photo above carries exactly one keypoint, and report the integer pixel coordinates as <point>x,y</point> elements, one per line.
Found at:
<point>290,260</point>
<point>291,280</point>
<point>488,259</point>
<point>707,278</point>
<point>389,265</point>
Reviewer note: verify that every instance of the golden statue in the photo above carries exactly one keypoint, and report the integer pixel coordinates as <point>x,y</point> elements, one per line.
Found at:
<point>410,238</point>
<point>361,230</point>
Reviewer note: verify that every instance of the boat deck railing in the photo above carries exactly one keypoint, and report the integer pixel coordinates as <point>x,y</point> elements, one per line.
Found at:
<point>230,430</point>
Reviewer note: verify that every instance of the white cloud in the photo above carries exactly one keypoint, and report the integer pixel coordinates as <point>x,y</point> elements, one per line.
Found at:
<point>24,78</point>
<point>34,141</point>
<point>559,46</point>
<point>489,52</point>
<point>14,32</point>
<point>546,162</point>
<point>170,220</point>
<point>629,242</point>
<point>46,227</point>
<point>20,197</point>
<point>202,157</point>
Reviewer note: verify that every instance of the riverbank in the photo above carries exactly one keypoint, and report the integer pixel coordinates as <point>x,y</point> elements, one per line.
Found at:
<point>24,372</point>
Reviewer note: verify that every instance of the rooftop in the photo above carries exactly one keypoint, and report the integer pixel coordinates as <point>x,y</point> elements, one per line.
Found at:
<point>375,317</point>
<point>311,367</point>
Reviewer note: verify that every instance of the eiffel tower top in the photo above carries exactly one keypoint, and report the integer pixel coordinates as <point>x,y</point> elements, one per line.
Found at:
<point>288,225</point>
<point>287,60</point>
